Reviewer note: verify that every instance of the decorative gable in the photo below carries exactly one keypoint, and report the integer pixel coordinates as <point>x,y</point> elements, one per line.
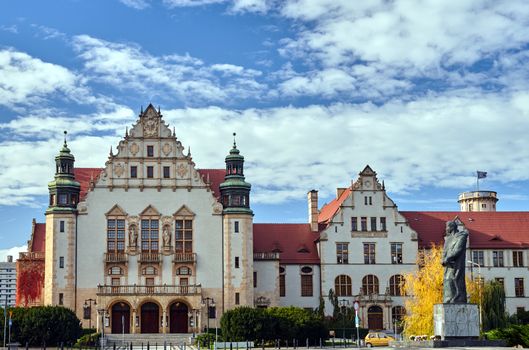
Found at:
<point>116,210</point>
<point>367,180</point>
<point>150,211</point>
<point>184,211</point>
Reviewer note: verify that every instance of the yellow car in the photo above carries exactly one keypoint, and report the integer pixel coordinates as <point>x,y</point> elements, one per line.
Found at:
<point>377,339</point>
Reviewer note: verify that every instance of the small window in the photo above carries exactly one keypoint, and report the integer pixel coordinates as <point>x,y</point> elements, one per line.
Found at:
<point>150,172</point>
<point>63,198</point>
<point>236,262</point>
<point>370,200</point>
<point>373,224</point>
<point>115,281</point>
<point>166,172</point>
<point>61,262</point>
<point>306,269</point>
<point>150,151</point>
<point>483,205</point>
<point>133,171</point>
<point>383,224</point>
<point>61,226</point>
<point>115,270</point>
<point>237,299</point>
<point>365,200</point>
<point>61,299</point>
<point>354,224</point>
<point>149,270</point>
<point>255,279</point>
<point>184,270</point>
<point>236,227</point>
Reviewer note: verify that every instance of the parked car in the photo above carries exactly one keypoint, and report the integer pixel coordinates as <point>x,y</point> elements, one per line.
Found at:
<point>377,339</point>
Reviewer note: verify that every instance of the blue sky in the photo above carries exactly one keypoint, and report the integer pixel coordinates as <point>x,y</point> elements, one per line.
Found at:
<point>425,92</point>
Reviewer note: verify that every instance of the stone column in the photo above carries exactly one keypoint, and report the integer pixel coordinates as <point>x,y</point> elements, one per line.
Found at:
<point>133,328</point>
<point>164,321</point>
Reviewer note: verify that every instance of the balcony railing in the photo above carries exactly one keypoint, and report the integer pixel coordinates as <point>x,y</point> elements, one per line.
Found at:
<point>31,255</point>
<point>149,290</point>
<point>266,256</point>
<point>116,257</point>
<point>150,257</point>
<point>185,257</point>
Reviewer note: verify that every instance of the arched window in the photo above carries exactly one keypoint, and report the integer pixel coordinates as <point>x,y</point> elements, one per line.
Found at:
<point>115,270</point>
<point>342,285</point>
<point>397,313</point>
<point>184,270</point>
<point>306,281</point>
<point>395,285</point>
<point>282,284</point>
<point>370,285</point>
<point>149,270</point>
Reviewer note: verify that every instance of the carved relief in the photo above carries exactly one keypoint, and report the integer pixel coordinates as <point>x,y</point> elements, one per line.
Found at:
<point>150,124</point>
<point>134,149</point>
<point>217,208</point>
<point>119,169</point>
<point>181,170</point>
<point>166,149</point>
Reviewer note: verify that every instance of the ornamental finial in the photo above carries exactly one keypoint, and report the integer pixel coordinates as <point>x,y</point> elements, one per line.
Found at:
<point>234,143</point>
<point>65,132</point>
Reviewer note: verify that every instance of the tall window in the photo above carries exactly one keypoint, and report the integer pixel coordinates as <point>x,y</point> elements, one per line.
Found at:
<point>397,313</point>
<point>396,253</point>
<point>354,224</point>
<point>342,253</point>
<point>369,253</point>
<point>282,289</point>
<point>61,226</point>
<point>497,258</point>
<point>61,262</point>
<point>149,235</point>
<point>150,172</point>
<point>184,235</point>
<point>133,171</point>
<point>115,235</point>
<point>237,299</point>
<point>373,223</point>
<point>383,224</point>
<point>236,226</point>
<point>236,262</point>
<point>518,287</point>
<point>166,172</point>
<point>343,286</point>
<point>478,257</point>
<point>150,151</point>
<point>395,285</point>
<point>306,281</point>
<point>363,223</point>
<point>517,258</point>
<point>370,285</point>
<point>255,279</point>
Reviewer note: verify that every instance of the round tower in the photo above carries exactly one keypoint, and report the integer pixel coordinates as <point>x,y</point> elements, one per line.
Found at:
<point>478,201</point>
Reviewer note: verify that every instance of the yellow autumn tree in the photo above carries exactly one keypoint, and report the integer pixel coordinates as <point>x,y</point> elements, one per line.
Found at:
<point>425,288</point>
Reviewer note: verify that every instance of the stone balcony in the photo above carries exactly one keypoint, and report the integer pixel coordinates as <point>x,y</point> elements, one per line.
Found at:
<point>116,257</point>
<point>31,256</point>
<point>185,258</point>
<point>133,290</point>
<point>150,257</point>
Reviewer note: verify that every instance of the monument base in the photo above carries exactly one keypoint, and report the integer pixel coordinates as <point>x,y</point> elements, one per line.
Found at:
<point>456,321</point>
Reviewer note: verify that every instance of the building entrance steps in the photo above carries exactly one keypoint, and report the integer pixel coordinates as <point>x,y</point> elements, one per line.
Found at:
<point>153,339</point>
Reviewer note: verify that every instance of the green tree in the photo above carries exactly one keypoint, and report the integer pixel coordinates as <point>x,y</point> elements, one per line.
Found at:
<point>493,304</point>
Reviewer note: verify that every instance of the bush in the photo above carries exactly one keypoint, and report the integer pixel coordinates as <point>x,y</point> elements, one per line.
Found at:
<point>514,335</point>
<point>88,340</point>
<point>205,339</point>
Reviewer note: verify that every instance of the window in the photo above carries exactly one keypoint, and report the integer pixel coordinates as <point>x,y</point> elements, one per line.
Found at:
<point>370,200</point>
<point>342,253</point>
<point>395,285</point>
<point>365,200</point>
<point>184,270</point>
<point>166,172</point>
<point>483,205</point>
<point>478,257</point>
<point>150,151</point>
<point>396,253</point>
<point>133,171</point>
<point>237,299</point>
<point>354,224</point>
<point>470,207</point>
<point>517,258</point>
<point>383,224</point>
<point>497,258</point>
<point>343,286</point>
<point>61,299</point>
<point>184,235</point>
<point>63,198</point>
<point>115,270</point>
<point>369,253</point>
<point>61,262</point>
<point>236,262</point>
<point>363,223</point>
<point>150,172</point>
<point>149,235</point>
<point>116,281</point>
<point>236,227</point>
<point>282,289</point>
<point>61,226</point>
<point>115,235</point>
<point>306,281</point>
<point>397,314</point>
<point>370,285</point>
<point>149,270</point>
<point>518,287</point>
<point>373,224</point>
<point>255,279</point>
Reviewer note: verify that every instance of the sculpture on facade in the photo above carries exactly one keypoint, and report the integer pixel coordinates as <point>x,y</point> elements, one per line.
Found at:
<point>166,236</point>
<point>133,236</point>
<point>454,259</point>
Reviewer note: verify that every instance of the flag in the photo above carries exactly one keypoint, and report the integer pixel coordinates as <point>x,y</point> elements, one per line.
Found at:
<point>482,174</point>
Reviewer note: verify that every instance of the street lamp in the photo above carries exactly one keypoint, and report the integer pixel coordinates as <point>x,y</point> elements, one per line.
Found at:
<point>207,302</point>
<point>102,312</point>
<point>343,305</point>
<point>88,310</point>
<point>480,282</point>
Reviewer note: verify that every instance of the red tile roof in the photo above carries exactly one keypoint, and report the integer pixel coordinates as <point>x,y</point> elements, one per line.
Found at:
<point>216,177</point>
<point>486,229</point>
<point>38,238</point>
<point>291,240</point>
<point>83,176</point>
<point>329,209</point>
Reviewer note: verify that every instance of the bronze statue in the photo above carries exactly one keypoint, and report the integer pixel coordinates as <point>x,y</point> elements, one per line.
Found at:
<point>454,259</point>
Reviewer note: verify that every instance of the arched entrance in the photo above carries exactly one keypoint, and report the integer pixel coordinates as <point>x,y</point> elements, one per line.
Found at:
<point>374,318</point>
<point>178,318</point>
<point>120,318</point>
<point>150,318</point>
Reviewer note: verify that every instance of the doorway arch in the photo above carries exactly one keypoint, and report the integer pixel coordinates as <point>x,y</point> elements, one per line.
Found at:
<point>375,318</point>
<point>150,318</point>
<point>120,318</point>
<point>178,317</point>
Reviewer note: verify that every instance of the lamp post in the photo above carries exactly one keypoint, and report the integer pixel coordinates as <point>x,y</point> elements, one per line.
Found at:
<point>343,305</point>
<point>480,282</point>
<point>102,312</point>
<point>88,310</point>
<point>207,302</point>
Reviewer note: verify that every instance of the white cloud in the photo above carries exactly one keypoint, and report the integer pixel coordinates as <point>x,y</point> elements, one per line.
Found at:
<point>13,252</point>
<point>190,3</point>
<point>136,4</point>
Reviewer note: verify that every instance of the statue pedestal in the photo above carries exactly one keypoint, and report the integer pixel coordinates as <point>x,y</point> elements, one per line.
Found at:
<point>456,321</point>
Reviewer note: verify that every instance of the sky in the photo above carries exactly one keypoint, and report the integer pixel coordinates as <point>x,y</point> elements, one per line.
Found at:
<point>425,92</point>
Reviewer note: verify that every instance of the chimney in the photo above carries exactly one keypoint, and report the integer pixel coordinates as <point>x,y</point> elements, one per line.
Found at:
<point>339,191</point>
<point>10,258</point>
<point>312,198</point>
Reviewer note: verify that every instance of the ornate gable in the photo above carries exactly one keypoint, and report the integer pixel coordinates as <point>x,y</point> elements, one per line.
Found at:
<point>367,180</point>
<point>184,211</point>
<point>150,211</point>
<point>116,210</point>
